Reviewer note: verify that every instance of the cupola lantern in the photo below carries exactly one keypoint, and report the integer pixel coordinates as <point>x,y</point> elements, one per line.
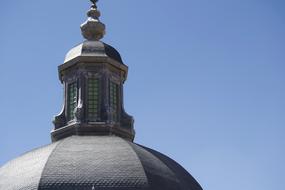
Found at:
<point>93,75</point>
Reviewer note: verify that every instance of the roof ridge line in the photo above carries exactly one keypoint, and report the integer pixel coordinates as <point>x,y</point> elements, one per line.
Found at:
<point>56,146</point>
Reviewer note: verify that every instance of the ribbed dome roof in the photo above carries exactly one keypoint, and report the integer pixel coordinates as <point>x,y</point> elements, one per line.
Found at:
<point>102,162</point>
<point>93,49</point>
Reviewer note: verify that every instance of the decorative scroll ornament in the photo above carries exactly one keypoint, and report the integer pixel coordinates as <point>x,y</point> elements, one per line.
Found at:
<point>93,29</point>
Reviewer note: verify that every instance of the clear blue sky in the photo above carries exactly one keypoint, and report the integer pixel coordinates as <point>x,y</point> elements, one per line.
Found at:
<point>206,80</point>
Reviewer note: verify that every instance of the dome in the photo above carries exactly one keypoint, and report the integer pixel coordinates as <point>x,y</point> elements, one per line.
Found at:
<point>95,162</point>
<point>93,136</point>
<point>93,49</point>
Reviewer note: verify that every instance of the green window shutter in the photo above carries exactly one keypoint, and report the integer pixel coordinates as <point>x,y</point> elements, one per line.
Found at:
<point>93,99</point>
<point>113,93</point>
<point>71,100</point>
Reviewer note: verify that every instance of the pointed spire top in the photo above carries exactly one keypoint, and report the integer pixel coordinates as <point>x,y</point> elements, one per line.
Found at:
<point>94,1</point>
<point>93,29</point>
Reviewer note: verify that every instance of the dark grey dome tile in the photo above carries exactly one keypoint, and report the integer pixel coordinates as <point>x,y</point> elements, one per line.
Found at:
<point>158,174</point>
<point>186,181</point>
<point>105,162</point>
<point>24,172</point>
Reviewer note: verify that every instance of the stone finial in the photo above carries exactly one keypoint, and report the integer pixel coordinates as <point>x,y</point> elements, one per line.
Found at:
<point>93,29</point>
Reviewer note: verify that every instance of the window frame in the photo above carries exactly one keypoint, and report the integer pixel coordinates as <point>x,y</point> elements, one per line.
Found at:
<point>72,88</point>
<point>96,117</point>
<point>114,99</point>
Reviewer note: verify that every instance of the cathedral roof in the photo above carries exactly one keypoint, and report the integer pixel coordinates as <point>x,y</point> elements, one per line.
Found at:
<point>95,162</point>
